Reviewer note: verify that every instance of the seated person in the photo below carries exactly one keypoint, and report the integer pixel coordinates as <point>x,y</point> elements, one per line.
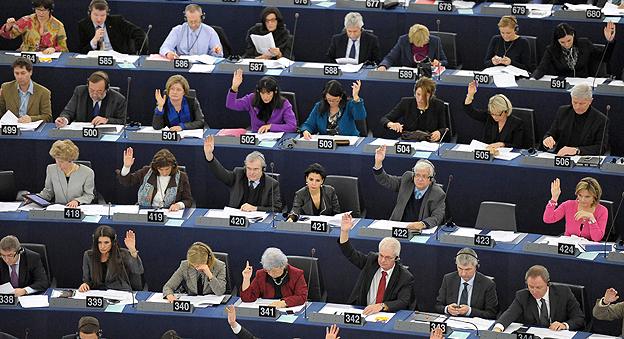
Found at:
<point>179,111</point>
<point>335,114</point>
<point>420,200</point>
<point>276,280</point>
<point>25,98</point>
<point>416,47</point>
<point>68,183</point>
<point>21,267</point>
<point>571,56</point>
<point>163,184</point>
<point>104,32</point>
<point>500,128</point>
<point>384,284</point>
<point>95,102</point>
<point>88,328</point>
<point>40,32</point>
<point>543,304</point>
<point>420,117</point>
<point>192,37</point>
<point>508,48</point>
<point>605,310</point>
<point>200,274</point>
<point>106,266</point>
<point>354,42</point>
<point>268,110</point>
<point>315,198</point>
<point>251,189</point>
<point>467,292</point>
<point>578,129</point>
<point>585,216</point>
<point>271,21</point>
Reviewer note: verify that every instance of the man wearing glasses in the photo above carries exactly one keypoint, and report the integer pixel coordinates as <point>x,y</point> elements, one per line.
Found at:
<point>22,268</point>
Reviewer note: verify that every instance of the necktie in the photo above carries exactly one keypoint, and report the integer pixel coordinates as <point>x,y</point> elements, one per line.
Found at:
<point>14,278</point>
<point>200,284</point>
<point>418,195</point>
<point>544,318</point>
<point>352,50</point>
<point>381,290</point>
<point>463,298</point>
<point>96,110</point>
<point>251,185</point>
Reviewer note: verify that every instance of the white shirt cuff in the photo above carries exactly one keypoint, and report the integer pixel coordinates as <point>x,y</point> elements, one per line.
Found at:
<point>237,328</point>
<point>602,303</point>
<point>469,311</point>
<point>29,290</point>
<point>499,326</point>
<point>181,204</point>
<point>124,171</point>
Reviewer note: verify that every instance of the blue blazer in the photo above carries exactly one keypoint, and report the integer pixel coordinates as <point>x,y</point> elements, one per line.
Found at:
<point>317,121</point>
<point>401,53</point>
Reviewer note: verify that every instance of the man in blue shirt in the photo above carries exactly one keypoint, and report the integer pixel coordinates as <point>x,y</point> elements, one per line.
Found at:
<point>192,37</point>
<point>26,99</point>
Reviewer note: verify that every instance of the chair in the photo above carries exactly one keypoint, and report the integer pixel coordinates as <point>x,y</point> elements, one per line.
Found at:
<point>449,45</point>
<point>99,198</point>
<point>192,93</point>
<point>533,50</point>
<point>349,194</point>
<point>494,215</point>
<point>581,296</point>
<point>603,67</point>
<point>527,115</point>
<point>225,257</point>
<point>137,282</point>
<point>292,98</point>
<point>309,265</point>
<point>8,190</point>
<point>362,127</point>
<point>225,42</point>
<point>451,136</point>
<point>41,249</point>
<point>613,236</point>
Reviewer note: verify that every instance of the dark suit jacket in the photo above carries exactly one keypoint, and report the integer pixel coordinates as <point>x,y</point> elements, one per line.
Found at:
<point>563,308</point>
<point>236,180</point>
<point>79,108</point>
<point>407,112</point>
<point>197,117</point>
<point>433,204</point>
<point>483,302</point>
<point>124,36</point>
<point>561,130</point>
<point>302,204</point>
<point>589,56</point>
<point>512,133</point>
<point>245,334</point>
<point>401,53</point>
<point>398,295</point>
<point>39,104</point>
<point>369,47</point>
<point>31,272</point>
<point>122,281</point>
<point>283,40</point>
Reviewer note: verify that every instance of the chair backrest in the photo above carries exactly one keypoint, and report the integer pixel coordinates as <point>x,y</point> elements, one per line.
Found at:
<point>192,93</point>
<point>532,50</point>
<point>449,45</point>
<point>581,296</point>
<point>310,267</point>
<point>182,168</point>
<point>225,257</point>
<point>292,98</point>
<point>8,190</point>
<point>602,68</point>
<point>97,196</point>
<point>527,115</point>
<point>613,236</point>
<point>225,42</point>
<point>275,176</point>
<point>348,192</point>
<point>494,215</point>
<point>41,249</point>
<point>362,127</point>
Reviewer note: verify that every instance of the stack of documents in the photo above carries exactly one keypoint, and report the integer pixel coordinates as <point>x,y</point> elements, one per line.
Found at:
<point>340,309</point>
<point>10,119</point>
<point>170,214</point>
<point>187,133</point>
<point>269,64</point>
<point>504,153</point>
<point>122,297</point>
<point>228,211</point>
<point>266,302</point>
<point>119,57</point>
<point>198,301</point>
<point>352,139</point>
<point>575,158</point>
<point>39,55</point>
<point>89,209</point>
<point>78,126</point>
<point>460,323</point>
<point>389,224</point>
<point>345,68</point>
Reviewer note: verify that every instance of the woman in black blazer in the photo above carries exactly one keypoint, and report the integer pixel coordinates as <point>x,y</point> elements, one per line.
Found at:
<point>315,198</point>
<point>500,128</point>
<point>508,48</point>
<point>271,21</point>
<point>176,109</point>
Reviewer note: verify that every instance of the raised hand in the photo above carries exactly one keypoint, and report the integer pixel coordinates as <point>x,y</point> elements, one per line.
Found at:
<point>160,99</point>
<point>130,241</point>
<point>247,271</point>
<point>332,332</point>
<point>355,90</point>
<point>609,31</point>
<point>346,223</point>
<point>237,79</point>
<point>555,189</point>
<point>128,157</point>
<point>231,313</point>
<point>380,155</point>
<point>9,24</point>
<point>610,296</point>
<point>209,144</point>
<point>472,88</point>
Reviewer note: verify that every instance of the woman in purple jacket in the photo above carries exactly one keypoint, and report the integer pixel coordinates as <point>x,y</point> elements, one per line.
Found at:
<point>268,110</point>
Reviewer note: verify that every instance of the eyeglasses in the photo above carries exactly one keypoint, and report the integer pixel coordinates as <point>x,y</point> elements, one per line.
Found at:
<point>9,256</point>
<point>386,257</point>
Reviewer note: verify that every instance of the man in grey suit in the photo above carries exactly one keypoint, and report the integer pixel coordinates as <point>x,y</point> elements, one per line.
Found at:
<point>605,309</point>
<point>467,292</point>
<point>95,102</point>
<point>543,304</point>
<point>420,200</point>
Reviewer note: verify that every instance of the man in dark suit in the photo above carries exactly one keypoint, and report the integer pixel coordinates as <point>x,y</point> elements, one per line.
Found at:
<point>383,284</point>
<point>95,102</point>
<point>467,292</point>
<point>239,330</point>
<point>420,200</point>
<point>251,189</point>
<point>542,304</point>
<point>101,31</point>
<point>354,42</point>
<point>88,328</point>
<point>578,128</point>
<point>21,267</point>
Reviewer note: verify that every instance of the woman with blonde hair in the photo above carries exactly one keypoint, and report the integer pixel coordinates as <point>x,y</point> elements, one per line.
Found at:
<point>508,48</point>
<point>176,109</point>
<point>418,46</point>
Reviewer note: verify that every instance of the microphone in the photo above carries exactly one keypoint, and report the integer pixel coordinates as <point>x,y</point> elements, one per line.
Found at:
<point>272,164</point>
<point>305,308</point>
<point>26,333</point>
<point>149,28</point>
<point>612,224</point>
<point>109,211</point>
<point>127,97</point>
<point>439,43</point>
<point>292,44</point>
<point>441,141</point>
<point>604,52</point>
<point>604,131</point>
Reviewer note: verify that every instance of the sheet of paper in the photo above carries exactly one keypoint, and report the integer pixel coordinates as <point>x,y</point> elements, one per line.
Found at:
<point>352,139</point>
<point>228,211</point>
<point>124,298</point>
<point>601,336</point>
<point>459,335</point>
<point>39,55</point>
<point>504,80</point>
<point>463,4</point>
<point>157,57</point>
<point>546,333</point>
<point>117,308</point>
<point>31,207</point>
<point>387,224</point>
<point>466,232</point>
<point>333,220</point>
<point>196,300</point>
<point>201,68</point>
<point>513,327</point>
<point>348,68</point>
<point>77,126</point>
<point>268,135</point>
<point>170,214</point>
<point>339,309</point>
<point>119,57</point>
<point>611,9</point>
<point>10,119</point>
<point>503,236</point>
<point>205,58</point>
<point>32,301</point>
<point>345,61</point>
<point>7,288</point>
<point>9,206</point>
<point>460,322</point>
<point>588,255</point>
<point>382,141</point>
<point>580,7</point>
<point>192,133</point>
<point>263,42</point>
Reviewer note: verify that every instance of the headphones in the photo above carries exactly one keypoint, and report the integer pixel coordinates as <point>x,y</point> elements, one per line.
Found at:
<point>514,20</point>
<point>99,334</point>
<point>469,252</point>
<point>98,2</point>
<point>192,7</point>
<point>98,76</point>
<point>425,161</point>
<point>203,246</point>
<point>174,163</point>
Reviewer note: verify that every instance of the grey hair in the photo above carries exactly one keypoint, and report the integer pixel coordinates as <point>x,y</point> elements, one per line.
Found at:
<point>10,243</point>
<point>392,243</point>
<point>193,8</point>
<point>466,256</point>
<point>272,258</point>
<point>353,19</point>
<point>500,103</point>
<point>255,155</point>
<point>581,91</point>
<point>424,164</point>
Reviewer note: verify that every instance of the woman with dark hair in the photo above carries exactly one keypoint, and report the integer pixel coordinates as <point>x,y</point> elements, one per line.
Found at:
<point>176,109</point>
<point>271,21</point>
<point>40,31</point>
<point>106,266</point>
<point>163,185</point>
<point>315,198</point>
<point>268,110</point>
<point>570,56</point>
<point>335,113</point>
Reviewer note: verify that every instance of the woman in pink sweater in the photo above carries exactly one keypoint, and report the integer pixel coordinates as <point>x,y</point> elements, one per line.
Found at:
<point>584,217</point>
